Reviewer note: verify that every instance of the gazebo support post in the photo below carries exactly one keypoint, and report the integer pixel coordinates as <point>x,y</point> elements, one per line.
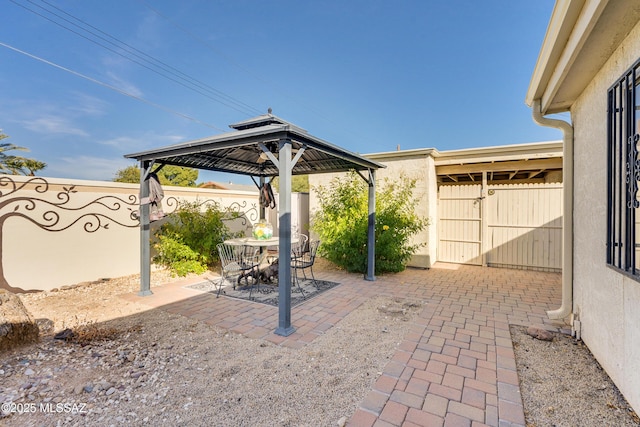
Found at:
<point>371,231</point>
<point>145,250</point>
<point>284,233</point>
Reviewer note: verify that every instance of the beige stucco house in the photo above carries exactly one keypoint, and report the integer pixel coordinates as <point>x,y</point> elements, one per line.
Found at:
<point>589,66</point>
<point>494,206</point>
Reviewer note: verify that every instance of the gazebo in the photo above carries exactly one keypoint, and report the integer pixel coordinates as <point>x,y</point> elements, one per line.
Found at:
<point>261,147</point>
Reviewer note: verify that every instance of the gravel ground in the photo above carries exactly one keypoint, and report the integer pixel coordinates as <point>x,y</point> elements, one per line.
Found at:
<point>563,385</point>
<point>153,368</point>
<point>128,366</point>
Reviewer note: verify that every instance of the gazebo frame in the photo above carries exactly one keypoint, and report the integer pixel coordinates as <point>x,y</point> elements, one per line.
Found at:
<point>263,147</point>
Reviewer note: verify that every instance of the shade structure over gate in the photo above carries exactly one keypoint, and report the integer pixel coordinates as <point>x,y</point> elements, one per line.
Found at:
<point>263,147</point>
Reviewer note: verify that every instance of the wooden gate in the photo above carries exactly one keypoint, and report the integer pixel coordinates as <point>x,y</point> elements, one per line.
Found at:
<point>460,224</point>
<point>513,225</point>
<point>524,226</point>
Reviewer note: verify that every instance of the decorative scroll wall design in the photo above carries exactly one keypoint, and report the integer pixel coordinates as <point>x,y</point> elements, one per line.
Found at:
<point>244,212</point>
<point>57,213</point>
<point>251,214</point>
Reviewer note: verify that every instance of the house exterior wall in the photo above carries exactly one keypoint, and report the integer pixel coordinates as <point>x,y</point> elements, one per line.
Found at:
<point>421,168</point>
<point>605,301</point>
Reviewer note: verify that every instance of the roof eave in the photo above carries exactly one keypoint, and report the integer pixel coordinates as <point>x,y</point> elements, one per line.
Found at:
<point>563,18</point>
<point>581,37</point>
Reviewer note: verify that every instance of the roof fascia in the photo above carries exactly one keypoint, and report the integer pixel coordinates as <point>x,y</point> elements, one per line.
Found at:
<point>581,31</point>
<point>403,154</point>
<point>535,150</point>
<point>577,26</point>
<point>563,18</point>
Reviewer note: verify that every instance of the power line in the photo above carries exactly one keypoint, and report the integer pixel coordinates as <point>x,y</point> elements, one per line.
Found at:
<point>108,86</point>
<point>137,56</point>
<point>234,62</point>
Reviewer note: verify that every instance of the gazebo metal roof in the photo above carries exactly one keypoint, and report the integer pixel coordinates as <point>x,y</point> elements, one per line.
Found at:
<point>241,151</point>
<point>264,146</point>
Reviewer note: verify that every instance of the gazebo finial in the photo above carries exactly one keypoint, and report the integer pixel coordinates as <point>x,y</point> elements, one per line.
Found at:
<point>269,110</point>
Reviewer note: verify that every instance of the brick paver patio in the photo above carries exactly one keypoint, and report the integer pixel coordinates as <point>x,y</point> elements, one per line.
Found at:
<point>456,366</point>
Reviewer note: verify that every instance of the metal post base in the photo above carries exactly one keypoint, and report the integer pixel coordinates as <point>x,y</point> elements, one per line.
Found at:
<point>285,332</point>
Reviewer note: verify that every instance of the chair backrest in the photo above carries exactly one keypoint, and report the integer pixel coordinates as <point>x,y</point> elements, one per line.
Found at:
<point>302,241</point>
<point>238,254</point>
<point>313,249</point>
<point>299,248</point>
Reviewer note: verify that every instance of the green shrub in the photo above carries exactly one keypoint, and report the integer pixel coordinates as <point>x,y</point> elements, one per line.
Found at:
<point>342,223</point>
<point>178,257</point>
<point>187,241</point>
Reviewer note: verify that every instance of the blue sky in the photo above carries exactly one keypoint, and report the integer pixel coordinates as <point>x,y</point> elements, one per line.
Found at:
<point>366,75</point>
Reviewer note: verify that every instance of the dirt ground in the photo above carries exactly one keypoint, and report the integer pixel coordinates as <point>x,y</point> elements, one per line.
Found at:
<point>129,365</point>
<point>563,385</point>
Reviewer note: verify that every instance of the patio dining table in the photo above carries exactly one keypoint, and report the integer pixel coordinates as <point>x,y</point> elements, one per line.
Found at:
<point>262,244</point>
<point>249,241</point>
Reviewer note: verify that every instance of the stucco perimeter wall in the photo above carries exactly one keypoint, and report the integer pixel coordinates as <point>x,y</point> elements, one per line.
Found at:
<point>57,232</point>
<point>421,168</point>
<point>605,300</point>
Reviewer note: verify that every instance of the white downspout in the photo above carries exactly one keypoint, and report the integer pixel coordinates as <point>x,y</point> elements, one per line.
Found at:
<point>567,220</point>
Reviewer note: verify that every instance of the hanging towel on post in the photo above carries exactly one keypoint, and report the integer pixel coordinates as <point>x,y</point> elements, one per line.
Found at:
<point>156,194</point>
<point>266,196</point>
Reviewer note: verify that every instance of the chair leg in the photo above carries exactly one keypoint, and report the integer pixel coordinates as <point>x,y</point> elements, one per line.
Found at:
<point>220,283</point>
<point>296,280</point>
<point>246,281</point>
<point>313,277</point>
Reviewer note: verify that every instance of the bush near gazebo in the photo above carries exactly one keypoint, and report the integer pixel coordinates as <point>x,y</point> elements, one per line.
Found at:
<point>186,243</point>
<point>342,221</point>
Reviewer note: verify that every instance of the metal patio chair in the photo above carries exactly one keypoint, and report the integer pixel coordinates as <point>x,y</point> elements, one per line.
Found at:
<point>303,258</point>
<point>239,262</point>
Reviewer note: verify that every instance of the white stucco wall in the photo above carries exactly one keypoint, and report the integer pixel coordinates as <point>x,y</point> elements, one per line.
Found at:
<point>37,257</point>
<point>421,168</point>
<point>606,301</point>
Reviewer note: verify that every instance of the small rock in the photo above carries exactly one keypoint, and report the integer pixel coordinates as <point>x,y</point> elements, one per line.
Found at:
<point>78,389</point>
<point>110,391</point>
<point>88,388</point>
<point>65,335</point>
<point>539,334</point>
<point>28,372</point>
<point>342,422</point>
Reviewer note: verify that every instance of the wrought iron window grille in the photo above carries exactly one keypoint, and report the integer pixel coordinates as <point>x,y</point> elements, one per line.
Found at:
<point>623,173</point>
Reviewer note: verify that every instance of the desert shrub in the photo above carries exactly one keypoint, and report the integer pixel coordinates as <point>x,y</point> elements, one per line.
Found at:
<point>179,257</point>
<point>187,242</point>
<point>342,222</point>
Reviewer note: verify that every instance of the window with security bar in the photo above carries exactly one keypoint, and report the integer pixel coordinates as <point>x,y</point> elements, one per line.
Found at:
<point>623,216</point>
